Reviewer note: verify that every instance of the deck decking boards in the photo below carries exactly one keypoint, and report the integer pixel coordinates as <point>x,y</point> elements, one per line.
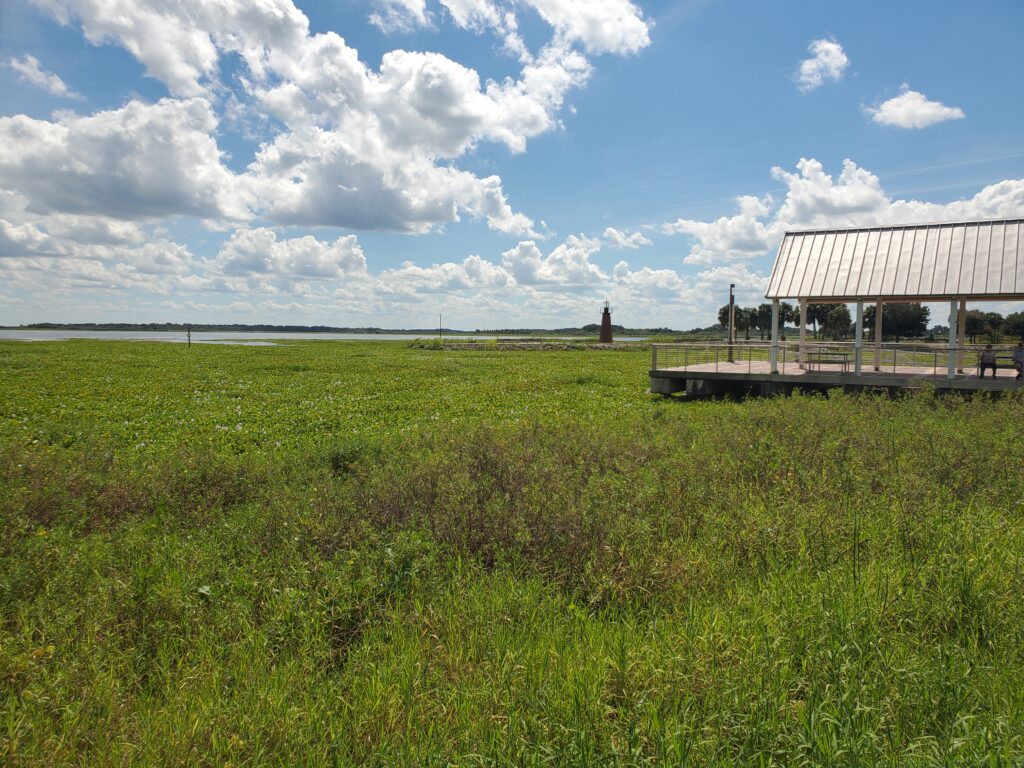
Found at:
<point>867,369</point>
<point>724,377</point>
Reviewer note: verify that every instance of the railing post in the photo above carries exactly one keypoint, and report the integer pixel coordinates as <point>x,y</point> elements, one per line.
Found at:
<point>773,353</point>
<point>878,338</point>
<point>961,334</point>
<point>951,370</point>
<point>654,357</point>
<point>800,354</point>
<point>858,346</point>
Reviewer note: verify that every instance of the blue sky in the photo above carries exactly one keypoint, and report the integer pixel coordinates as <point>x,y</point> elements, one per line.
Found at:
<point>508,163</point>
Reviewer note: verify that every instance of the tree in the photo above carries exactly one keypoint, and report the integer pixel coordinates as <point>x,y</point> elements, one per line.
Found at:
<point>837,321</point>
<point>742,319</point>
<point>760,318</point>
<point>993,325</point>
<point>764,319</point>
<point>787,314</point>
<point>901,320</point>
<point>1014,325</point>
<point>980,323</point>
<point>745,318</point>
<point>869,319</point>
<point>817,314</point>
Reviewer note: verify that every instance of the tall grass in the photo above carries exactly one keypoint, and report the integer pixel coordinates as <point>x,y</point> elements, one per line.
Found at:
<point>800,581</point>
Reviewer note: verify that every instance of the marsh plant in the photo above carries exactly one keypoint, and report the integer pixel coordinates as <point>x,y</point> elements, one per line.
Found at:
<point>369,554</point>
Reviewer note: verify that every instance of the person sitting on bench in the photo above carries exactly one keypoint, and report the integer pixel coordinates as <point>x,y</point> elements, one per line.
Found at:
<point>1018,359</point>
<point>987,359</point>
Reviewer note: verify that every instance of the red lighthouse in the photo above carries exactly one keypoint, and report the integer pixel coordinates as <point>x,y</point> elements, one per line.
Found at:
<point>606,325</point>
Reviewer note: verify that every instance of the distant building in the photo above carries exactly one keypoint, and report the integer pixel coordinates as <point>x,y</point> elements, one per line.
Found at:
<point>606,325</point>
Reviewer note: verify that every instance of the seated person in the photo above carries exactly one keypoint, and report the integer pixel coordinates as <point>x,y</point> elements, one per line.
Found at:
<point>1018,359</point>
<point>987,359</point>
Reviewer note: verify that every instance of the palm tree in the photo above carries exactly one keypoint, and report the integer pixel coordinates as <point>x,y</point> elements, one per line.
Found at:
<point>764,319</point>
<point>787,314</point>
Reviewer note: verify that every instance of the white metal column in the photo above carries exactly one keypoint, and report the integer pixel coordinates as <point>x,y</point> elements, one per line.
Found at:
<point>803,332</point>
<point>858,339</point>
<point>878,336</point>
<point>961,335</point>
<point>951,372</point>
<point>773,354</point>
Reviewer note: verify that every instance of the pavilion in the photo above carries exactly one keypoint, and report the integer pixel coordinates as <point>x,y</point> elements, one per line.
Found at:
<point>955,262</point>
<point>951,263</point>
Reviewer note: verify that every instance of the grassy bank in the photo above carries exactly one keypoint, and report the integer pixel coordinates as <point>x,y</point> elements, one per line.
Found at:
<point>338,554</point>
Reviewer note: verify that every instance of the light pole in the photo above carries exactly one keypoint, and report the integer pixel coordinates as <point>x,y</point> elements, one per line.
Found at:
<point>732,318</point>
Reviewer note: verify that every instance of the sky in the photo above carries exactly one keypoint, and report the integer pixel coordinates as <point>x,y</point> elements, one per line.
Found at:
<point>503,163</point>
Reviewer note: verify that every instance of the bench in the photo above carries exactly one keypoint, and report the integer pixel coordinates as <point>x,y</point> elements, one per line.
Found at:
<point>1008,364</point>
<point>818,358</point>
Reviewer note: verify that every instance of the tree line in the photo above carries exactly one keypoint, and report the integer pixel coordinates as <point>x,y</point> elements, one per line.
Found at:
<point>899,321</point>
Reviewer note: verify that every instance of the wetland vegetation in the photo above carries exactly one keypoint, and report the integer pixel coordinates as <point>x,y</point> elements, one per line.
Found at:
<point>328,553</point>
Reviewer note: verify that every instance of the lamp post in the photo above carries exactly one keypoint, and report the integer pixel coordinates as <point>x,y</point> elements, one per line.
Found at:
<point>732,318</point>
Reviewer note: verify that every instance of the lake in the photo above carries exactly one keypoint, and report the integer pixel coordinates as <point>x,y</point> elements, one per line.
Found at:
<point>246,338</point>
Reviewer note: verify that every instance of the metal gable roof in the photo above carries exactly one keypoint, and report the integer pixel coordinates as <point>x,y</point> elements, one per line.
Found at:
<point>976,259</point>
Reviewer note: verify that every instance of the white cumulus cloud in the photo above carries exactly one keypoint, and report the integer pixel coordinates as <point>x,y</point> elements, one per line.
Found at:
<point>260,252</point>
<point>828,62</point>
<point>619,239</point>
<point>816,199</point>
<point>598,26</point>
<point>341,144</point>
<point>472,274</point>
<point>568,265</point>
<point>912,110</point>
<point>400,15</point>
<point>743,236</point>
<point>139,161</point>
<point>30,71</point>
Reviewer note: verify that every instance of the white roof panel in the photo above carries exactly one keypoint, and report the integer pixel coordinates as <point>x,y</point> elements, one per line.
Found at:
<point>976,259</point>
<point>1011,257</point>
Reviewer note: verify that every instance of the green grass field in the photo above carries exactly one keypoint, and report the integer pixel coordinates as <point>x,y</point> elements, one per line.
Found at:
<point>332,553</point>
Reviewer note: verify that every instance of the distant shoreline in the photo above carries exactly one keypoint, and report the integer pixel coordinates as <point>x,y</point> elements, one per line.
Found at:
<point>242,328</point>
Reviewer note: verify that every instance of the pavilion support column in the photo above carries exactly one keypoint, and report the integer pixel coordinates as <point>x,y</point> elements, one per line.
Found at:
<point>773,353</point>
<point>803,332</point>
<point>961,335</point>
<point>951,370</point>
<point>878,336</point>
<point>858,343</point>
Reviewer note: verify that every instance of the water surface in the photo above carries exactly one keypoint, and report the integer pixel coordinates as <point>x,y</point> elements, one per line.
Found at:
<point>247,338</point>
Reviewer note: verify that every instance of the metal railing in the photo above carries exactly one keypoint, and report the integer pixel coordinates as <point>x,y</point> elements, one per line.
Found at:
<point>905,358</point>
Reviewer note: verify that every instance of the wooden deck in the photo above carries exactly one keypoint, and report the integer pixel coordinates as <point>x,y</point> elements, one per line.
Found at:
<point>793,369</point>
<point>755,377</point>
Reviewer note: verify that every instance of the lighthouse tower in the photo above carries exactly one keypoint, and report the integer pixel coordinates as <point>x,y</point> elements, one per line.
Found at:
<point>606,325</point>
